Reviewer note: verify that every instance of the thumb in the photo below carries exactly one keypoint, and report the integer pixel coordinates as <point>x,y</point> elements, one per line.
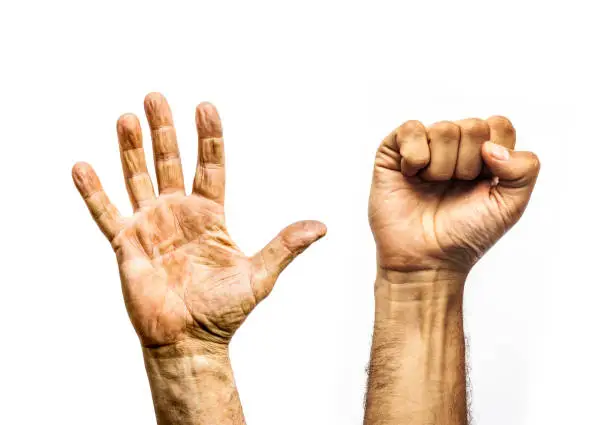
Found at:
<point>517,172</point>
<point>274,257</point>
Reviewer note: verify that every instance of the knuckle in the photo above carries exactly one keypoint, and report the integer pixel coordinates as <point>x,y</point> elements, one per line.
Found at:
<point>411,128</point>
<point>445,130</point>
<point>475,127</point>
<point>501,124</point>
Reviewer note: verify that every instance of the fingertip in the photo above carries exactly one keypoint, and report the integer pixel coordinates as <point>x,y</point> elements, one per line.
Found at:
<point>79,169</point>
<point>129,131</point>
<point>207,107</point>
<point>157,110</point>
<point>128,121</point>
<point>514,168</point>
<point>536,164</point>
<point>319,229</point>
<point>85,178</point>
<point>303,233</point>
<point>323,229</point>
<point>154,98</point>
<point>208,121</point>
<point>412,164</point>
<point>312,227</point>
<point>494,151</point>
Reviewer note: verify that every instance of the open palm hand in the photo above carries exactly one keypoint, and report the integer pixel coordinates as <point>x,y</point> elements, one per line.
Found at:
<point>183,277</point>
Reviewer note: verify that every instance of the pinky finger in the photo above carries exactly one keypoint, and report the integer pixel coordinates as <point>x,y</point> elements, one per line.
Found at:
<point>103,212</point>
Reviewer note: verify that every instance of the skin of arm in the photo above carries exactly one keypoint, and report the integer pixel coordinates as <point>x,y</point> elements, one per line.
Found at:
<point>192,385</point>
<point>440,197</point>
<point>186,284</point>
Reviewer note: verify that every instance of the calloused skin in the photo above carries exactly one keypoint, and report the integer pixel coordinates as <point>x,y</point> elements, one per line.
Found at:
<point>441,196</point>
<point>186,284</point>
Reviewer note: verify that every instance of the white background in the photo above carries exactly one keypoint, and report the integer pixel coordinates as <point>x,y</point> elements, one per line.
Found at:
<point>306,91</point>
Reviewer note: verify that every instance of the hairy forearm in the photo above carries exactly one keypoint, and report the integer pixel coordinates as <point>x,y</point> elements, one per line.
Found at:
<point>193,385</point>
<point>417,368</point>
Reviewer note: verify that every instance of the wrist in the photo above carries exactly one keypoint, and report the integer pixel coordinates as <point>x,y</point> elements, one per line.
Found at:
<point>188,358</point>
<point>186,348</point>
<point>417,295</point>
<point>192,383</point>
<point>400,287</point>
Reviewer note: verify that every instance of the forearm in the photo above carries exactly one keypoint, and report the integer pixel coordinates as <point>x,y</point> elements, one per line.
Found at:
<point>417,368</point>
<point>192,385</point>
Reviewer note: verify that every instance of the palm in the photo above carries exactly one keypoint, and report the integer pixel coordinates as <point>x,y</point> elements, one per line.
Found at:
<point>186,275</point>
<point>182,275</point>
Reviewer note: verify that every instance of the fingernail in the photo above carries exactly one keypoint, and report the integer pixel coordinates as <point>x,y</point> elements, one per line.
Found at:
<point>498,152</point>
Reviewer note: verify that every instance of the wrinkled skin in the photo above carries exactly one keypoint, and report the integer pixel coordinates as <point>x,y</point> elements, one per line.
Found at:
<point>181,272</point>
<point>183,277</point>
<point>434,204</point>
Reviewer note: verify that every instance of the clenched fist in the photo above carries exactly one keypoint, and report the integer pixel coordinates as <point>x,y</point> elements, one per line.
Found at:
<point>442,195</point>
<point>183,277</point>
